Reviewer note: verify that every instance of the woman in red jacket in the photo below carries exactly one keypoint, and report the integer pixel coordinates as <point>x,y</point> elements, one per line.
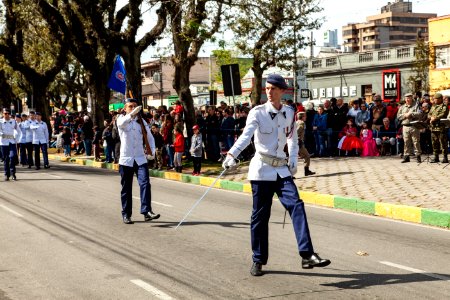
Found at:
<point>178,146</point>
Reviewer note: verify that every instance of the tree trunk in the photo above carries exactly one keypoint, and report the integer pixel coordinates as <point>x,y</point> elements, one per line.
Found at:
<point>257,87</point>
<point>132,60</point>
<point>181,84</point>
<point>40,99</point>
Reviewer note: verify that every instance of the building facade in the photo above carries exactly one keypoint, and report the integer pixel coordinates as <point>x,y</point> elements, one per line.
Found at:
<point>439,41</point>
<point>330,38</point>
<point>353,75</point>
<point>395,26</point>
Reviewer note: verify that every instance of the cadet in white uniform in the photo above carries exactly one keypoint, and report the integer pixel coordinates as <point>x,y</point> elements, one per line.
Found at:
<point>273,125</point>
<point>133,160</point>
<point>40,141</point>
<point>8,133</point>
<point>22,123</point>
<point>29,137</point>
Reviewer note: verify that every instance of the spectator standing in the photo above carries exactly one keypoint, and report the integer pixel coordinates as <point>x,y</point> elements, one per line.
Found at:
<point>408,113</point>
<point>96,142</point>
<point>302,152</point>
<point>108,141</point>
<point>159,145</point>
<point>196,150</point>
<point>438,130</point>
<point>310,143</point>
<point>340,111</point>
<point>167,133</point>
<point>87,134</point>
<point>178,146</point>
<point>212,124</point>
<point>67,141</point>
<point>391,112</point>
<point>353,111</point>
<point>378,113</point>
<point>320,131</point>
<point>227,129</point>
<point>328,109</point>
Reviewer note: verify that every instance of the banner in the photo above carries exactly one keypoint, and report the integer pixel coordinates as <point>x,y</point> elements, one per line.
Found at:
<point>117,80</point>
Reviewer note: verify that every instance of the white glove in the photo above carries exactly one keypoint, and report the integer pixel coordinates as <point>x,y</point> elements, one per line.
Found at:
<point>135,111</point>
<point>293,168</point>
<point>228,162</point>
<point>150,157</point>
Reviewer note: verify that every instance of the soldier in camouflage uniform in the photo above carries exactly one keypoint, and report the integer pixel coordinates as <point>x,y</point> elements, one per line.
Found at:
<point>408,113</point>
<point>303,152</point>
<point>438,131</point>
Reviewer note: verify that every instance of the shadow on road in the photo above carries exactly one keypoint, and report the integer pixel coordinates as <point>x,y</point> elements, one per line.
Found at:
<point>174,224</point>
<point>334,174</point>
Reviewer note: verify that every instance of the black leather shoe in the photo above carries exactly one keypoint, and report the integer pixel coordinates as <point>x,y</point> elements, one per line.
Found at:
<point>435,159</point>
<point>38,168</point>
<point>151,216</point>
<point>6,178</point>
<point>47,167</point>
<point>127,220</point>
<point>445,160</point>
<point>314,261</point>
<point>405,159</point>
<point>256,269</point>
<point>14,178</point>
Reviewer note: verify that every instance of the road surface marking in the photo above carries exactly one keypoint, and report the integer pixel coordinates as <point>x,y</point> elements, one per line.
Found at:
<point>151,289</point>
<point>54,176</point>
<point>436,276</point>
<point>11,211</point>
<point>155,202</point>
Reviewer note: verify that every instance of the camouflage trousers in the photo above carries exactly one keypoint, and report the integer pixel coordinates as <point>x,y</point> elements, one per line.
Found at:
<point>439,142</point>
<point>411,136</point>
<point>303,153</point>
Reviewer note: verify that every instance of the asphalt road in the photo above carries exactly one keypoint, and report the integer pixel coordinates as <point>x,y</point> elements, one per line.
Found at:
<point>62,237</point>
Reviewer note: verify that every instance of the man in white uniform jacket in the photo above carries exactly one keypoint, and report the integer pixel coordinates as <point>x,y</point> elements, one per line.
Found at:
<point>40,141</point>
<point>133,160</point>
<point>8,133</point>
<point>273,125</point>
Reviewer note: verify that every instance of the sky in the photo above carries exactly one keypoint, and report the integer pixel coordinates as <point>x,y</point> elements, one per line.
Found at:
<point>336,13</point>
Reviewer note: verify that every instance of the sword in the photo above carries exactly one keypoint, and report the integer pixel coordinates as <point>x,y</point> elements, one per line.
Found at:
<point>201,198</point>
<point>284,220</point>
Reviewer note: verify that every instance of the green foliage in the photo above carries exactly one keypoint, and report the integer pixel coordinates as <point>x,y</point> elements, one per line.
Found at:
<point>419,81</point>
<point>227,57</point>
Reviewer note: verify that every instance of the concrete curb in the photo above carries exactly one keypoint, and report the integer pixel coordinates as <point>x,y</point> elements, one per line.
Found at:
<point>392,211</point>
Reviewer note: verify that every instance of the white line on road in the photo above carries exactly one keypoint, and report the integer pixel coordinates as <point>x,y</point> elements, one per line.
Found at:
<point>11,211</point>
<point>155,202</point>
<point>436,276</point>
<point>54,176</point>
<point>151,289</point>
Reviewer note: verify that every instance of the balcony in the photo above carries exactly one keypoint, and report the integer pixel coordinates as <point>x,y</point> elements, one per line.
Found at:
<point>384,54</point>
<point>315,64</point>
<point>366,57</point>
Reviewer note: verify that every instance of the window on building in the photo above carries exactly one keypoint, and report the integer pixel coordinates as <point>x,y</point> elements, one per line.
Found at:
<point>442,57</point>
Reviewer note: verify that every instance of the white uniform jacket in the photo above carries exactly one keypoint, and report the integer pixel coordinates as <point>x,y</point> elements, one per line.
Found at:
<point>132,142</point>
<point>28,131</point>
<point>272,129</point>
<point>23,130</point>
<point>40,132</point>
<point>8,132</point>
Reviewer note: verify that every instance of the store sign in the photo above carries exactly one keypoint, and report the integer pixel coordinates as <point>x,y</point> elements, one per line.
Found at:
<point>391,84</point>
<point>304,93</point>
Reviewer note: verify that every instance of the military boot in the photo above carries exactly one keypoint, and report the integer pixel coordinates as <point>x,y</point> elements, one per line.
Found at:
<point>405,159</point>
<point>308,172</point>
<point>435,159</point>
<point>445,160</point>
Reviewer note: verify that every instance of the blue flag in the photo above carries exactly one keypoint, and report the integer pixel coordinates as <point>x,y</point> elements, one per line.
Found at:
<point>117,81</point>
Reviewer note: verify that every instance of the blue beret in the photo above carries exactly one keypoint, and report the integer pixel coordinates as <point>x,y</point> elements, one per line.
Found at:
<point>130,100</point>
<point>277,80</point>
<point>17,115</point>
<point>38,113</point>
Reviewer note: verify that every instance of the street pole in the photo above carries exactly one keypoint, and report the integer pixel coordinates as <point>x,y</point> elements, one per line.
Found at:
<point>295,66</point>
<point>161,92</point>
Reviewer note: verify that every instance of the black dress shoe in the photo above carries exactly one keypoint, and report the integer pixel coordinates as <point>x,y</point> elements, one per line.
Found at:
<point>256,269</point>
<point>14,178</point>
<point>314,261</point>
<point>127,220</point>
<point>47,167</point>
<point>6,178</point>
<point>38,168</point>
<point>405,159</point>
<point>151,216</point>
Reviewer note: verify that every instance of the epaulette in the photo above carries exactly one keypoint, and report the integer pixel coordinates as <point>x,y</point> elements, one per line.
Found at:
<point>261,106</point>
<point>288,106</point>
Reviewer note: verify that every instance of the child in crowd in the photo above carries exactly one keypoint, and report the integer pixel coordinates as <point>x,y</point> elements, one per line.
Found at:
<point>96,142</point>
<point>178,146</point>
<point>67,141</point>
<point>196,150</point>
<point>159,145</point>
<point>369,143</point>
<point>108,142</point>
<point>349,142</point>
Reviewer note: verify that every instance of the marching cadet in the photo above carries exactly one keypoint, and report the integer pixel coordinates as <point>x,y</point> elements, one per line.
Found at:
<point>133,160</point>
<point>406,114</point>
<point>303,152</point>
<point>8,132</point>
<point>273,125</point>
<point>29,137</point>
<point>22,123</point>
<point>40,141</point>
<point>438,130</point>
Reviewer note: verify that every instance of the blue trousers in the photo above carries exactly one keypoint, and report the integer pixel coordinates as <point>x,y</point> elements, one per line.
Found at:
<point>23,154</point>
<point>126,195</point>
<point>29,147</point>
<point>9,156</point>
<point>287,192</point>
<point>37,153</point>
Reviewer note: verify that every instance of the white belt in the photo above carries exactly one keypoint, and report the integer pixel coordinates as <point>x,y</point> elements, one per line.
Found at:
<point>7,137</point>
<point>273,161</point>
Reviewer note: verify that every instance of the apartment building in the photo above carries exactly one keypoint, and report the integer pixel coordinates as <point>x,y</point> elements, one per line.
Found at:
<point>395,26</point>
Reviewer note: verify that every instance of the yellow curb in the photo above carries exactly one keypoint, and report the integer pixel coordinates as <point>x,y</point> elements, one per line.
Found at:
<point>325,200</point>
<point>207,181</point>
<point>97,164</point>
<point>384,209</point>
<point>116,167</point>
<point>172,176</point>
<point>407,213</point>
<point>247,188</point>
<point>308,197</point>
<point>80,161</point>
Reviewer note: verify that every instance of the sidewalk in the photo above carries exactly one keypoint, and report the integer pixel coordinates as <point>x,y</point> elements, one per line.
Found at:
<point>379,186</point>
